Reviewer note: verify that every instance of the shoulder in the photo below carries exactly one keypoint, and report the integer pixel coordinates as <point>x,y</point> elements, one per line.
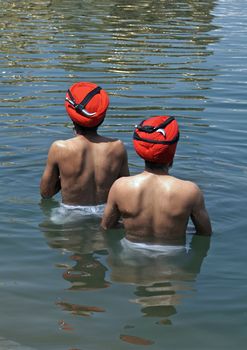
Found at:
<point>192,186</point>
<point>116,147</point>
<point>118,144</point>
<point>120,149</point>
<point>194,189</point>
<point>112,141</point>
<point>57,148</point>
<point>119,189</point>
<point>187,189</point>
<point>121,184</point>
<point>58,144</point>
<point>63,144</point>
<point>129,183</point>
<point>186,184</point>
<point>194,193</point>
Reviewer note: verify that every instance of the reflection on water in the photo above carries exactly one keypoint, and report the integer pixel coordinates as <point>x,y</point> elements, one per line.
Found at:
<point>79,310</point>
<point>139,52</point>
<point>84,240</point>
<point>162,278</point>
<point>87,274</point>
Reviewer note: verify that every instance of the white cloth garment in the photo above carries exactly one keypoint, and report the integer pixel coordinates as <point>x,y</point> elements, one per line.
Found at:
<point>72,213</point>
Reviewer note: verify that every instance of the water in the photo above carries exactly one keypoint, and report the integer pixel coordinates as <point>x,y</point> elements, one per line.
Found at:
<point>67,286</point>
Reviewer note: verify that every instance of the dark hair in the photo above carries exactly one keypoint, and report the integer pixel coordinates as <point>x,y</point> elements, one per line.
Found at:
<point>156,166</point>
<point>82,129</point>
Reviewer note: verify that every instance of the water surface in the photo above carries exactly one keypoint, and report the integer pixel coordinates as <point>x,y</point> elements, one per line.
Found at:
<point>69,287</point>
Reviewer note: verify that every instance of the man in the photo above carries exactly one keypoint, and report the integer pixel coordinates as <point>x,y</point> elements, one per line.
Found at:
<point>155,206</point>
<point>85,166</point>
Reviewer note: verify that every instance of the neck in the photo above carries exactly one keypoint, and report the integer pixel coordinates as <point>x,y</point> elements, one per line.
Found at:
<point>162,170</point>
<point>80,130</point>
<point>85,133</point>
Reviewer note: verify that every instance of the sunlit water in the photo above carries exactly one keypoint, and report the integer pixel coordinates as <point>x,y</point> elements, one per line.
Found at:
<point>66,286</point>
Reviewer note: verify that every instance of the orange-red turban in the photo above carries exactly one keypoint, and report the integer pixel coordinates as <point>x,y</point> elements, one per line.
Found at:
<point>86,104</point>
<point>155,139</point>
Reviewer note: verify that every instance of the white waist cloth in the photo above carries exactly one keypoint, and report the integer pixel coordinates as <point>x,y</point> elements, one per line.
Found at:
<point>151,250</point>
<point>71,213</point>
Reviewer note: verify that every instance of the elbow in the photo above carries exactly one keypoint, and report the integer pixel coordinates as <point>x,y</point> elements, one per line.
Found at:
<point>208,230</point>
<point>45,195</point>
<point>202,224</point>
<point>204,232</point>
<point>107,224</point>
<point>208,233</point>
<point>103,224</point>
<point>47,192</point>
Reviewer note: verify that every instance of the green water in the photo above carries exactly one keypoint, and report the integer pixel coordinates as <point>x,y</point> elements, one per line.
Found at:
<point>68,287</point>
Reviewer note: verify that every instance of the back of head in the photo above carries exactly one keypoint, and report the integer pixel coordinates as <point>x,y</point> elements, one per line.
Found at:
<point>155,139</point>
<point>86,104</point>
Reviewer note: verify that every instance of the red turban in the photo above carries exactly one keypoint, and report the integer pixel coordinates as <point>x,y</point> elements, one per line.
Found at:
<point>86,104</point>
<point>155,139</point>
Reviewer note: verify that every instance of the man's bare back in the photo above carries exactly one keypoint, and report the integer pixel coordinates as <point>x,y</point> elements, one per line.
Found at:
<point>86,166</point>
<point>156,207</point>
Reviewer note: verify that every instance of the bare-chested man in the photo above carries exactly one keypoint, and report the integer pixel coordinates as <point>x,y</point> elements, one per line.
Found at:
<point>155,206</point>
<point>85,166</point>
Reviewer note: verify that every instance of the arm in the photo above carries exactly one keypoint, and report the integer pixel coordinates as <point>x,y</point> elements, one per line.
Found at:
<point>124,171</point>
<point>111,213</point>
<point>50,181</point>
<point>200,217</point>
